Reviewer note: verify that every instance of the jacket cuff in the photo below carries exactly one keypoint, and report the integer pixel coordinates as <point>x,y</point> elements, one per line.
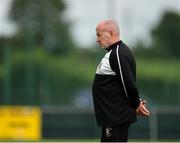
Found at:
<point>136,104</point>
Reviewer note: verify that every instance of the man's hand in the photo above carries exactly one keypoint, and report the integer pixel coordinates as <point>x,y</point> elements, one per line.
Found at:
<point>142,110</point>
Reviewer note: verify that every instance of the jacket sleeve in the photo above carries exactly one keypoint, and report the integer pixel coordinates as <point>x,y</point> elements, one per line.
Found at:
<point>128,68</point>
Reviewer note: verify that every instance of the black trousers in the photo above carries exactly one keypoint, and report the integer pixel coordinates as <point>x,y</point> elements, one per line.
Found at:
<point>117,133</point>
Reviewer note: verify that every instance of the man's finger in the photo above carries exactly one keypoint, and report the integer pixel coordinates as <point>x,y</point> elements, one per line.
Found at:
<point>144,110</point>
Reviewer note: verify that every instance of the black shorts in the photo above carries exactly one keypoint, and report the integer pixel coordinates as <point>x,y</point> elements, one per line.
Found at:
<point>117,133</point>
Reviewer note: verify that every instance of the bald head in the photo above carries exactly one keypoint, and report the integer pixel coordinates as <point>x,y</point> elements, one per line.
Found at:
<point>109,25</point>
<point>107,32</point>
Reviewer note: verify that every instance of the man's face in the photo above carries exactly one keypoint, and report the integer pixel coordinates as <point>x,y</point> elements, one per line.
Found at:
<point>103,37</point>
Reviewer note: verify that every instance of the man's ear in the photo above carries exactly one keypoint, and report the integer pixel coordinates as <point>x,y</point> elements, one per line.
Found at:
<point>111,33</point>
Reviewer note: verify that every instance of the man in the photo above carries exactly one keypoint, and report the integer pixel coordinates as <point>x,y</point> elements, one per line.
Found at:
<point>115,95</point>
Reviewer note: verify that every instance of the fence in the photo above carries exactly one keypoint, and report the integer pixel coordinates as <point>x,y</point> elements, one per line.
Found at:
<point>61,122</point>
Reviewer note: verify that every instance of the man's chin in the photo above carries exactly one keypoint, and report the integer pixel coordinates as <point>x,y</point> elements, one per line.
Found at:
<point>103,47</point>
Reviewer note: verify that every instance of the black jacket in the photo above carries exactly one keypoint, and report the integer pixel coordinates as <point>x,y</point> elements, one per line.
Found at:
<point>112,106</point>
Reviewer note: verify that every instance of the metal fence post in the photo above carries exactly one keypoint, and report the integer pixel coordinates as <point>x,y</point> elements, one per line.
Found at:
<point>153,124</point>
<point>7,75</point>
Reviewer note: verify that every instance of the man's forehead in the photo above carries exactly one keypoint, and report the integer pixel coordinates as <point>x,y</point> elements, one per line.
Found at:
<point>100,28</point>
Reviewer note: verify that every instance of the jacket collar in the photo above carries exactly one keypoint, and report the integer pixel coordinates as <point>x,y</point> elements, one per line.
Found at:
<point>113,46</point>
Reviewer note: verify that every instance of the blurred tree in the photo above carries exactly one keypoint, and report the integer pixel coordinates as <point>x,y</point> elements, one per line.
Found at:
<point>165,39</point>
<point>162,57</point>
<point>166,35</point>
<point>42,22</point>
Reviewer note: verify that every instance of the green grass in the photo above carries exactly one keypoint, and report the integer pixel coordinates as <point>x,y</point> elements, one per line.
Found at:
<point>163,70</point>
